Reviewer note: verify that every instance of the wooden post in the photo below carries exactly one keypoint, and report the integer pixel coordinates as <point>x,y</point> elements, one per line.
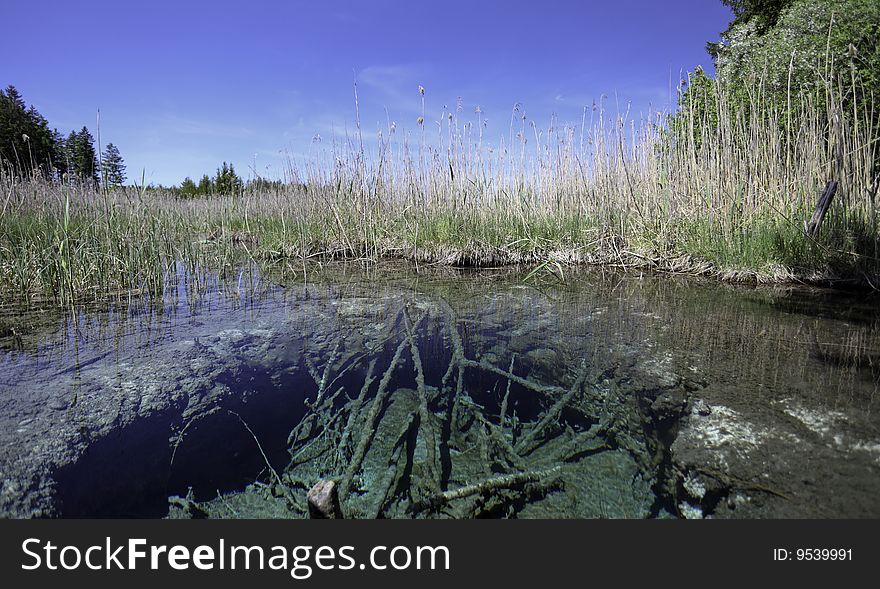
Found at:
<point>812,228</point>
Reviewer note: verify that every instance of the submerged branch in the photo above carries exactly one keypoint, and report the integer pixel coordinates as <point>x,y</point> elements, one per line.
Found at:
<point>372,420</point>
<point>393,473</point>
<point>355,411</point>
<point>502,482</point>
<point>525,444</point>
<point>524,382</point>
<point>424,414</point>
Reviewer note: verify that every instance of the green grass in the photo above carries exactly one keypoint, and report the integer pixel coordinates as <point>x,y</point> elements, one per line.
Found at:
<point>728,200</point>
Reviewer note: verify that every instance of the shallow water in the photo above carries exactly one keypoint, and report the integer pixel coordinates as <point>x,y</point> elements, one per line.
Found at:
<point>606,395</point>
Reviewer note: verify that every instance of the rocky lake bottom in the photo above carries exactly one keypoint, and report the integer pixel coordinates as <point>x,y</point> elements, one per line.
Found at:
<point>450,394</point>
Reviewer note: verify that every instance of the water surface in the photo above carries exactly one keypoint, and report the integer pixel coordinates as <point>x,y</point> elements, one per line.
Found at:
<point>445,393</point>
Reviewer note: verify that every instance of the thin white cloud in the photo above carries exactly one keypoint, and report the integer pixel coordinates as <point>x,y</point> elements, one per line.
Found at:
<point>396,86</point>
<point>389,78</point>
<point>174,124</point>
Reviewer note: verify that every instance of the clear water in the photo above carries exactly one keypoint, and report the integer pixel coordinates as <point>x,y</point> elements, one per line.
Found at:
<point>606,395</point>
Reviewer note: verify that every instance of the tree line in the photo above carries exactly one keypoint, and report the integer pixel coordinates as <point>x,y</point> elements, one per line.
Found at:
<point>29,146</point>
<point>225,182</point>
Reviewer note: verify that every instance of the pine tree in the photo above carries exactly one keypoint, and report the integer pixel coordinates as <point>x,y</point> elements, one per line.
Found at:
<point>81,156</point>
<point>188,188</point>
<point>13,128</point>
<point>206,186</point>
<point>112,167</point>
<point>226,181</point>
<point>26,142</point>
<point>59,161</point>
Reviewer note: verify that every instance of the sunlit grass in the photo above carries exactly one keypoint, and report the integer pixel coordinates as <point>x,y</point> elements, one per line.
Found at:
<point>727,198</point>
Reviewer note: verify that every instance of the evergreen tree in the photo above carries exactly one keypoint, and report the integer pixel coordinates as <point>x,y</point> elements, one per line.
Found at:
<point>112,167</point>
<point>264,185</point>
<point>26,142</point>
<point>60,161</point>
<point>226,181</point>
<point>188,188</point>
<point>13,128</point>
<point>81,156</point>
<point>206,186</point>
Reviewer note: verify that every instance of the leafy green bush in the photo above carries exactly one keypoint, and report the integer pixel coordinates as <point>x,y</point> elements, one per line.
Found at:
<point>813,43</point>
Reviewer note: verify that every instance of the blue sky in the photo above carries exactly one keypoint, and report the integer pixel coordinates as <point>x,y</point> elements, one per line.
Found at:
<point>183,86</point>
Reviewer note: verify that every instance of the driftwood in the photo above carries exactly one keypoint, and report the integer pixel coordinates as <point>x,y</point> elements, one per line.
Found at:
<point>583,444</point>
<point>496,436</point>
<point>373,417</point>
<point>525,383</point>
<point>393,474</point>
<point>503,457</point>
<point>355,411</point>
<point>526,444</point>
<point>812,228</point>
<point>425,416</point>
<point>502,415</point>
<point>414,474</point>
<point>507,481</point>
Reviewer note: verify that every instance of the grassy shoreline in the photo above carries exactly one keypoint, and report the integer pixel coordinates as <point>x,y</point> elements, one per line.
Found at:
<point>723,192</point>
<point>88,254</point>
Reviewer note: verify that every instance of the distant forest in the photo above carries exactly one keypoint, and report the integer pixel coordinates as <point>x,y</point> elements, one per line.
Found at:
<point>29,146</point>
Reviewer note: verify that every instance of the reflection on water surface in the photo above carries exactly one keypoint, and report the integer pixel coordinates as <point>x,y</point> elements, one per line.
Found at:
<point>446,394</point>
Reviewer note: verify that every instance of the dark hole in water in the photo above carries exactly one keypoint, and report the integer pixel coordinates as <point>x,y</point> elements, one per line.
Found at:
<point>129,473</point>
<point>119,475</point>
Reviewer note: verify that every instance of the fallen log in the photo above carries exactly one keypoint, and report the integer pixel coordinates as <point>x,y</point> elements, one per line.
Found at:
<point>503,482</point>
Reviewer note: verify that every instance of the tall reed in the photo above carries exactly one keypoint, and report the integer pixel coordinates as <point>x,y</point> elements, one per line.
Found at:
<point>724,190</point>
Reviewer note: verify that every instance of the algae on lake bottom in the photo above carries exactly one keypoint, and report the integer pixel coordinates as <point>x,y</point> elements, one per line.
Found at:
<point>442,394</point>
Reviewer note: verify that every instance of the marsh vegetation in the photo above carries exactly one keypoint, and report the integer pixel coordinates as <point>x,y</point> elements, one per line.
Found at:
<point>246,340</point>
<point>727,196</point>
<point>723,185</point>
